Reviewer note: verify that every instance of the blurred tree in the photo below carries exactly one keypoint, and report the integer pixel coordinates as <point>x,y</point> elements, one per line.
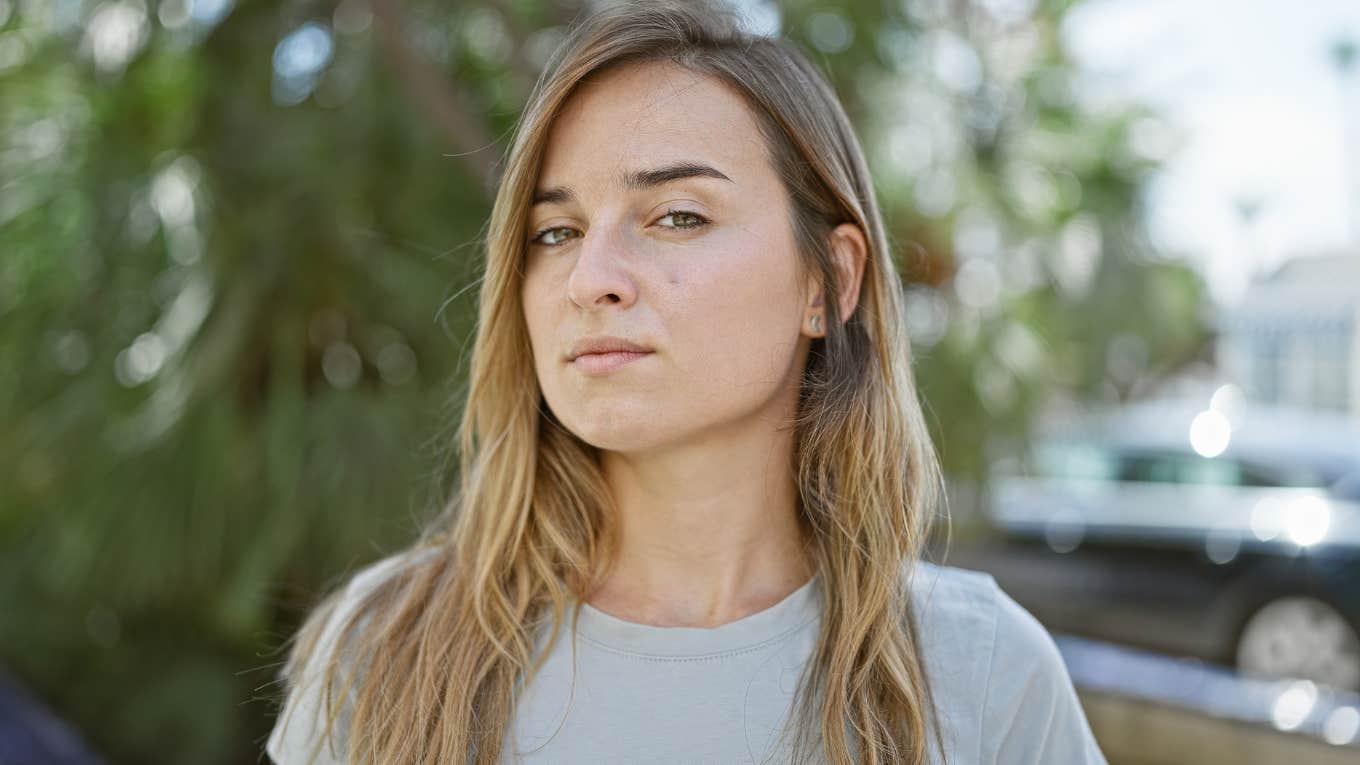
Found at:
<point>238,256</point>
<point>1014,195</point>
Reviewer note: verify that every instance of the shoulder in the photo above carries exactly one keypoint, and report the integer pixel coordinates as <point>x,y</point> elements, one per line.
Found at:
<point>962,604</point>
<point>956,612</point>
<point>996,672</point>
<point>370,576</point>
<point>348,597</point>
<point>948,594</point>
<point>968,611</point>
<point>297,730</point>
<point>363,582</point>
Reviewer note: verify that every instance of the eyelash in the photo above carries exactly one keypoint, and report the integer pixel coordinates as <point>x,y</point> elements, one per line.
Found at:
<point>669,212</point>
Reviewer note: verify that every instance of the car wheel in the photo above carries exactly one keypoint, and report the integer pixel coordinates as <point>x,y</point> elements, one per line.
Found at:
<point>1301,637</point>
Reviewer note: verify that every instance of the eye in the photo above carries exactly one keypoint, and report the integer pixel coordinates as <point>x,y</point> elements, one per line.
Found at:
<point>696,220</point>
<point>552,232</point>
<point>552,236</point>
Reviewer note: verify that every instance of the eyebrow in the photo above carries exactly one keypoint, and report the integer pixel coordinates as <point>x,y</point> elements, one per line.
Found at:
<point>638,180</point>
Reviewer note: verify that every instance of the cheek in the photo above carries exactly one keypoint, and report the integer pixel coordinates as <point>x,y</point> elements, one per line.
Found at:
<point>741,318</point>
<point>537,321</point>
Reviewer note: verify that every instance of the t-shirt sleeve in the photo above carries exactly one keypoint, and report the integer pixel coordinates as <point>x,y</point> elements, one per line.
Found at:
<point>302,720</point>
<point>1031,714</point>
<point>300,723</point>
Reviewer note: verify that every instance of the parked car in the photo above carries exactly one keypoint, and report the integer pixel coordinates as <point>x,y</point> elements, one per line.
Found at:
<point>1233,536</point>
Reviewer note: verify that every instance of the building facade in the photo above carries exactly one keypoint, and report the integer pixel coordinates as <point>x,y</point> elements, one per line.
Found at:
<point>1294,337</point>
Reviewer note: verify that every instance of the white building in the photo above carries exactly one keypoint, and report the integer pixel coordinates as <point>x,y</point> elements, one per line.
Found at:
<point>1294,337</point>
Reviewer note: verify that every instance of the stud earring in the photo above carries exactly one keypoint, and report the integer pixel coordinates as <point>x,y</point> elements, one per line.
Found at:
<point>816,322</point>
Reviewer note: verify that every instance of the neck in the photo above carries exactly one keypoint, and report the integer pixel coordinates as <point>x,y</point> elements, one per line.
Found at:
<point>707,534</point>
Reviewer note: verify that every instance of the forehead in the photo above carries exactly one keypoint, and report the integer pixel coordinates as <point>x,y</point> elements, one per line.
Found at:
<point>641,115</point>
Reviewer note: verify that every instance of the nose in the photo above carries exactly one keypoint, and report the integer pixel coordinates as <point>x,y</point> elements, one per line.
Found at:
<point>601,275</point>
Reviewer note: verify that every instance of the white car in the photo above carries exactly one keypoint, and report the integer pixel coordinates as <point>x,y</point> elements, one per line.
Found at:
<point>1233,536</point>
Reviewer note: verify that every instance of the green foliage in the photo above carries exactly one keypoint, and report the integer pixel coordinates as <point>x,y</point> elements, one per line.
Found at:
<point>233,327</point>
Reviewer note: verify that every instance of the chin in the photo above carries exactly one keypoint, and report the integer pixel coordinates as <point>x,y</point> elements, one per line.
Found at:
<point>621,434</point>
<point>616,426</point>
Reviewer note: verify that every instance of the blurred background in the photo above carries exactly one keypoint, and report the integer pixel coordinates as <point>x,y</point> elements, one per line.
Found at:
<point>238,258</point>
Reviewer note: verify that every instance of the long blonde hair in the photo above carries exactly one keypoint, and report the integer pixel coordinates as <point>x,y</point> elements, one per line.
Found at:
<point>433,656</point>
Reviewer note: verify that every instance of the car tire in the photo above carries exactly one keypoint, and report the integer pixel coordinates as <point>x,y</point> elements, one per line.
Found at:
<point>1300,636</point>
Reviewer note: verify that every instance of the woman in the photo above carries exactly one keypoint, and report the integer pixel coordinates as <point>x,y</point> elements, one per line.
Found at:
<point>692,450</point>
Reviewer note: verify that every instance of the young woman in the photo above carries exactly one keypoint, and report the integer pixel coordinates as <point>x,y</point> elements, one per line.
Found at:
<point>696,480</point>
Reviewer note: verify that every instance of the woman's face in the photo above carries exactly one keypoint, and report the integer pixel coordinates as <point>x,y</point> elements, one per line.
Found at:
<point>663,224</point>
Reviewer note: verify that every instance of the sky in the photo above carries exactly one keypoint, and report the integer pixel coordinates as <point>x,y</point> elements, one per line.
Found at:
<point>1262,114</point>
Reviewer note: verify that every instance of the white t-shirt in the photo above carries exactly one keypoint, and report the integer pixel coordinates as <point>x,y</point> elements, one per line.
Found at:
<point>647,694</point>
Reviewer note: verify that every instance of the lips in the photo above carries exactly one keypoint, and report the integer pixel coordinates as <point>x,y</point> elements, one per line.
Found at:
<point>602,363</point>
<point>603,345</point>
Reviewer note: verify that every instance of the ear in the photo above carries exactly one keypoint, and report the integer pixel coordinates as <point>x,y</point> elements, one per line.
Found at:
<point>849,250</point>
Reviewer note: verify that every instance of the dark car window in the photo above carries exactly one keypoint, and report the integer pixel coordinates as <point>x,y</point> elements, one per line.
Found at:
<point>1210,471</point>
<point>1283,474</point>
<point>1172,467</point>
<point>1085,461</point>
